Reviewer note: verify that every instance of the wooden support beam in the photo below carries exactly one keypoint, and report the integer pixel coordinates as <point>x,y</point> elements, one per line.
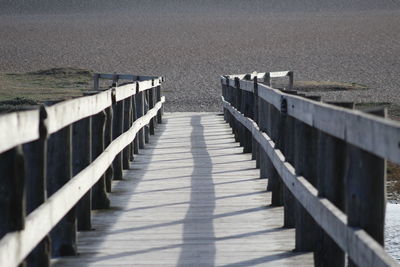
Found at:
<point>135,149</point>
<point>151,105</point>
<point>140,113</point>
<point>81,158</point>
<point>59,172</point>
<point>108,137</point>
<point>126,154</point>
<point>118,127</point>
<point>365,178</point>
<point>35,157</point>
<point>100,198</point>
<point>331,185</point>
<point>158,98</point>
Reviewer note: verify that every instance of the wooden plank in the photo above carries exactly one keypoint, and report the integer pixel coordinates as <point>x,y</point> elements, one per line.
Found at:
<point>127,77</point>
<point>362,249</point>
<point>210,206</point>
<point>67,112</point>
<point>355,127</point>
<point>18,128</point>
<point>15,246</point>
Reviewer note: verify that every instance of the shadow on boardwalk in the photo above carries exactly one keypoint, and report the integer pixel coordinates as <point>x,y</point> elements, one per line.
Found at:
<point>204,245</point>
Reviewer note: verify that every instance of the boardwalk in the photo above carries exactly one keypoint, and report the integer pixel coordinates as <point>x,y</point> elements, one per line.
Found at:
<point>191,198</point>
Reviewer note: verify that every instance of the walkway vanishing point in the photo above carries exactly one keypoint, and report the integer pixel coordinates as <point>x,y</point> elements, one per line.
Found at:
<point>191,198</point>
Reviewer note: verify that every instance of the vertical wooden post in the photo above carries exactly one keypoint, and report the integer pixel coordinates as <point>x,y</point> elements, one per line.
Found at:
<point>134,118</point>
<point>140,113</point>
<point>238,104</point>
<point>118,127</point>
<point>127,124</point>
<point>107,141</point>
<point>146,109</point>
<point>365,179</point>
<point>285,144</point>
<point>291,80</point>
<point>35,155</point>
<point>151,105</point>
<point>248,111</point>
<point>305,163</point>
<point>267,169</point>
<point>100,199</point>
<point>12,191</point>
<point>59,170</point>
<point>275,181</point>
<point>330,185</point>
<point>96,78</point>
<point>256,147</point>
<point>267,79</point>
<point>158,96</point>
<point>81,158</point>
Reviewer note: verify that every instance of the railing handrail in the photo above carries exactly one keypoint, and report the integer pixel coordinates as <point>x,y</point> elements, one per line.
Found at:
<point>23,126</point>
<point>352,126</point>
<point>27,126</point>
<point>362,249</point>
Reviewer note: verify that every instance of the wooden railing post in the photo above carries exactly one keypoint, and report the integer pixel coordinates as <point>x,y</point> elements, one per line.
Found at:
<point>286,145</point>
<point>246,108</point>
<point>59,170</point>
<point>151,105</point>
<point>331,167</point>
<point>146,109</point>
<point>96,78</point>
<point>140,113</point>
<point>135,147</point>
<point>81,158</point>
<point>267,169</point>
<point>12,191</point>
<point>229,98</point>
<point>275,182</point>
<point>118,128</point>
<point>365,179</point>
<point>305,163</point>
<point>256,147</point>
<point>100,199</point>
<point>238,105</point>
<point>108,135</point>
<point>127,124</point>
<point>35,155</point>
<point>158,97</point>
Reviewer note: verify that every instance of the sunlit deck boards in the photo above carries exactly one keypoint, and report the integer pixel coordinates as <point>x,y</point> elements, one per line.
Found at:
<point>191,198</point>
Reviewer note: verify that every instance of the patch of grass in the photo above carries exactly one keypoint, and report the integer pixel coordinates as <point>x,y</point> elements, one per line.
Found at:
<point>45,85</point>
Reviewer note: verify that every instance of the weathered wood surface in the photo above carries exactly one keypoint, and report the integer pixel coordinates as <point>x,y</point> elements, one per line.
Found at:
<point>15,246</point>
<point>363,249</point>
<point>192,198</point>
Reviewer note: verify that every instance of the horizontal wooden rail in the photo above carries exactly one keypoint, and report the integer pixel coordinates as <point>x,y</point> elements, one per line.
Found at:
<point>373,134</point>
<point>18,128</point>
<point>15,246</point>
<point>362,249</point>
<point>23,126</point>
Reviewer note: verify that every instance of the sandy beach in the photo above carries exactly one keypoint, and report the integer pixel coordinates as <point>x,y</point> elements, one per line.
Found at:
<point>191,43</point>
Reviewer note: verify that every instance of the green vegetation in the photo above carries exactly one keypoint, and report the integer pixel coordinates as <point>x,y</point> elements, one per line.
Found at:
<point>32,88</point>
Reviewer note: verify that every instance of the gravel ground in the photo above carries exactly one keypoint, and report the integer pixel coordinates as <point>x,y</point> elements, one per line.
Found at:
<point>191,42</point>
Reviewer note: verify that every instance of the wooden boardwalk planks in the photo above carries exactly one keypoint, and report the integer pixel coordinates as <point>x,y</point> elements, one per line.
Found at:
<point>191,198</point>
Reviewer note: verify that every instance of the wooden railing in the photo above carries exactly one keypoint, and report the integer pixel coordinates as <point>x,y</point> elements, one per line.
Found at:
<point>57,163</point>
<point>325,163</point>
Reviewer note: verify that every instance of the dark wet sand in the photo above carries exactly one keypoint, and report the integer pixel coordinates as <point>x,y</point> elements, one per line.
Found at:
<point>191,44</point>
